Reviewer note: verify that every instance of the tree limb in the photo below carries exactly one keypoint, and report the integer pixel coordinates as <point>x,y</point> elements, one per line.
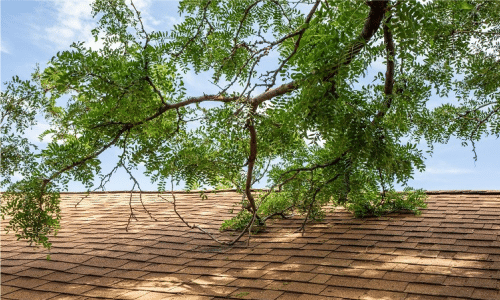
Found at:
<point>389,73</point>
<point>251,159</point>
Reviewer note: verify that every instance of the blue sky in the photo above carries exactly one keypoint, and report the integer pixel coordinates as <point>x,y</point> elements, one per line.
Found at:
<point>33,31</point>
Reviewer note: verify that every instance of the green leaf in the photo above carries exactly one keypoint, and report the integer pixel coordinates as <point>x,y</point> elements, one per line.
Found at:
<point>465,5</point>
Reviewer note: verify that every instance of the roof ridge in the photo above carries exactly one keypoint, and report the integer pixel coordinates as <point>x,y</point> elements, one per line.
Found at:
<point>432,192</point>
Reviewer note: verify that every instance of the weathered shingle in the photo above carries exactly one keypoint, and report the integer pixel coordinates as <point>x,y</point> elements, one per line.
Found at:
<point>451,251</point>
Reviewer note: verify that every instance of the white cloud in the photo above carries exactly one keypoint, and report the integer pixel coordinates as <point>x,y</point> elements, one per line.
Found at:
<point>17,176</point>
<point>171,21</point>
<point>73,22</point>
<point>142,5</point>
<point>4,48</point>
<point>33,134</point>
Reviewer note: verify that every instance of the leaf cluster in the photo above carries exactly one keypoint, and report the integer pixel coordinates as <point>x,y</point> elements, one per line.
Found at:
<point>326,100</point>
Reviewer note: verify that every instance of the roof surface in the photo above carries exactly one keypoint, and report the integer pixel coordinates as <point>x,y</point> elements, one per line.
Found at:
<point>451,251</point>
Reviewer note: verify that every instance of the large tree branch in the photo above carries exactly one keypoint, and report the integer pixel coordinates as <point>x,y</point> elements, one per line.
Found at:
<point>371,25</point>
<point>281,90</point>
<point>86,158</point>
<point>390,49</point>
<point>167,106</point>
<point>251,159</point>
<point>389,73</point>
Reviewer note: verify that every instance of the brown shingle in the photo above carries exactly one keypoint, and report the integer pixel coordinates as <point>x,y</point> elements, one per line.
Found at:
<point>8,289</point>
<point>207,290</point>
<point>66,288</point>
<point>343,292</point>
<point>101,292</point>
<point>387,285</point>
<point>51,265</point>
<point>293,286</point>
<point>25,282</point>
<point>249,293</point>
<point>24,294</point>
<point>32,272</point>
<point>487,294</point>
<point>377,294</point>
<point>451,251</point>
<point>346,281</point>
<point>250,283</point>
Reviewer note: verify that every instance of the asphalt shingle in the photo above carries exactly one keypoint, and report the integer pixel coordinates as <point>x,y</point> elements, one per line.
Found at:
<point>450,251</point>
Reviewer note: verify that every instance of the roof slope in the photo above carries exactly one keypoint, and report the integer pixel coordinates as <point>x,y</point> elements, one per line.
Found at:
<point>451,251</point>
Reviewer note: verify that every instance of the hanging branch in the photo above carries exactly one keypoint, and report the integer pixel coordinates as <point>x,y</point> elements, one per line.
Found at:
<point>371,25</point>
<point>251,158</point>
<point>195,226</point>
<point>280,213</point>
<point>389,73</point>
<point>136,183</point>
<point>104,180</point>
<point>131,215</point>
<point>46,181</point>
<point>313,201</point>
<point>250,166</point>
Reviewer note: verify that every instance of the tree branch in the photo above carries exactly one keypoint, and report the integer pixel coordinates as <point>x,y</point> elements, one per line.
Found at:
<point>313,200</point>
<point>187,224</point>
<point>83,160</point>
<point>203,230</point>
<point>297,43</point>
<point>476,109</point>
<point>142,25</point>
<point>372,23</point>
<point>389,73</point>
<point>251,159</point>
<point>198,31</point>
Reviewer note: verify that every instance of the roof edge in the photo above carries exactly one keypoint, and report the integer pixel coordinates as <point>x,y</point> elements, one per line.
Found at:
<point>164,192</point>
<point>481,192</point>
<point>435,192</point>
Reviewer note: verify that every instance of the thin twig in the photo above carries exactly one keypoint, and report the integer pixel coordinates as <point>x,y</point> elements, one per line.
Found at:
<point>280,213</point>
<point>297,43</point>
<point>313,201</point>
<point>476,109</point>
<point>194,226</point>
<point>131,209</point>
<point>136,183</point>
<point>198,31</point>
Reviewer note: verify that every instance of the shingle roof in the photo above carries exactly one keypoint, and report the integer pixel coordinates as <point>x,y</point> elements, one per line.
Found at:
<point>451,251</point>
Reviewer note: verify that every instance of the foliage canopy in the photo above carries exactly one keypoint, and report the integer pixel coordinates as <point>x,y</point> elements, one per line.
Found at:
<point>326,98</point>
